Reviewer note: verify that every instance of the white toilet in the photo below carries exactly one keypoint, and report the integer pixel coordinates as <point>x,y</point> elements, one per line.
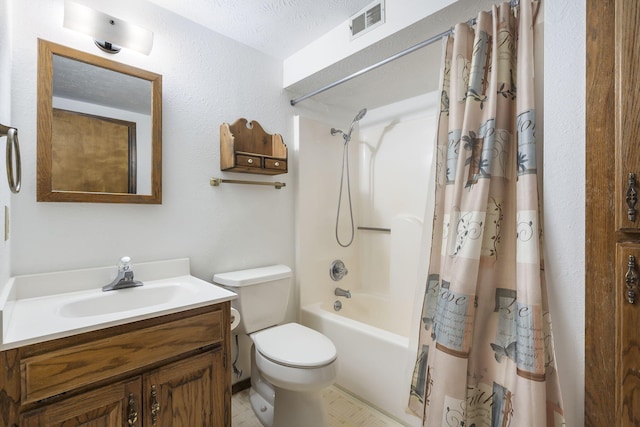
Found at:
<point>290,364</point>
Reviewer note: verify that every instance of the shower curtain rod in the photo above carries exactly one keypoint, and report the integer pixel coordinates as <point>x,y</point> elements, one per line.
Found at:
<point>472,21</point>
<point>376,65</point>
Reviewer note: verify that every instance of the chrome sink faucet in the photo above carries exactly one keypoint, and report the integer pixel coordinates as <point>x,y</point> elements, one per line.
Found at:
<point>124,279</point>
<point>342,293</point>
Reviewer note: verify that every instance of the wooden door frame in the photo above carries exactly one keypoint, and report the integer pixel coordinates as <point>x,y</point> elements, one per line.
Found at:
<point>601,399</point>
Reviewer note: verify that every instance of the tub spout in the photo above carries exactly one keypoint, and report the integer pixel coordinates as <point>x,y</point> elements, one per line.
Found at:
<point>342,293</point>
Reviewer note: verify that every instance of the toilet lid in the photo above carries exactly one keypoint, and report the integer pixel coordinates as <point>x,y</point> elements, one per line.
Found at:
<point>295,345</point>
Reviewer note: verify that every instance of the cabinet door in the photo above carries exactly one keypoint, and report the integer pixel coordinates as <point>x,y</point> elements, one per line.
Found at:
<point>628,302</point>
<point>627,61</point>
<point>110,406</point>
<point>184,393</point>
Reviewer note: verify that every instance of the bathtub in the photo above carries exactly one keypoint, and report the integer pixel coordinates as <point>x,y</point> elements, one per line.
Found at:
<point>371,335</point>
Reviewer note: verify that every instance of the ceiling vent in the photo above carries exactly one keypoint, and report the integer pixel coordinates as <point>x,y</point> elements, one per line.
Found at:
<point>367,19</point>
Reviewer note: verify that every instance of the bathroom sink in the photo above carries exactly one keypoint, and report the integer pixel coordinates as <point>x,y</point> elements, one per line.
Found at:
<point>125,300</point>
<point>40,307</point>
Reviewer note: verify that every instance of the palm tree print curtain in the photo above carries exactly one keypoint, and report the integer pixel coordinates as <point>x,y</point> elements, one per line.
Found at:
<point>485,354</point>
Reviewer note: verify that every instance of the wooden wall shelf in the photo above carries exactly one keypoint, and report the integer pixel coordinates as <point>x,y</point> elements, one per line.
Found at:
<point>246,147</point>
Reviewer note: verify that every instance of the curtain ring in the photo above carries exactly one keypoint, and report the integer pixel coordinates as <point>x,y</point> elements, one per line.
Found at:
<point>14,177</point>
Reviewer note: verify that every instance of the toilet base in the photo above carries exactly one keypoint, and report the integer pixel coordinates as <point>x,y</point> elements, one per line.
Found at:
<point>280,407</point>
<point>291,408</point>
<point>261,408</point>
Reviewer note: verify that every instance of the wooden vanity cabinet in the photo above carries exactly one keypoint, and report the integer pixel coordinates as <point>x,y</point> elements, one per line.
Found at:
<point>169,371</point>
<point>183,392</point>
<point>112,405</point>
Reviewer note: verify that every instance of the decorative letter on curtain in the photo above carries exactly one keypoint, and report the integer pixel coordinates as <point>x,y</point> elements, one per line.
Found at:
<point>485,351</point>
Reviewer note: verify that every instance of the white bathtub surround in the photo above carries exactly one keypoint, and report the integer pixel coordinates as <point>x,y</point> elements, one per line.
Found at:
<point>405,249</point>
<point>39,307</point>
<point>390,164</point>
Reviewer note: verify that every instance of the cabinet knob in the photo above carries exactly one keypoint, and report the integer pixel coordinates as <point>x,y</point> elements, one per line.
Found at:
<point>277,164</point>
<point>631,279</point>
<point>250,161</point>
<point>155,405</point>
<point>632,197</point>
<point>133,414</point>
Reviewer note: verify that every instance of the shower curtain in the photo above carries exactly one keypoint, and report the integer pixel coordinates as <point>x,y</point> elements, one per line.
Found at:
<point>485,352</point>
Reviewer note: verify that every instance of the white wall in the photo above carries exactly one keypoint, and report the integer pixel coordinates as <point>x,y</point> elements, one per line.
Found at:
<point>207,80</point>
<point>5,119</point>
<point>564,192</point>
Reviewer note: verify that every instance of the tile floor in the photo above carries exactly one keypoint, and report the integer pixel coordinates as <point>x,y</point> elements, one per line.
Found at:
<point>344,411</point>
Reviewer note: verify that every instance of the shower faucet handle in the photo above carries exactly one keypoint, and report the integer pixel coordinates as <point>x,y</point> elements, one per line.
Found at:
<point>338,270</point>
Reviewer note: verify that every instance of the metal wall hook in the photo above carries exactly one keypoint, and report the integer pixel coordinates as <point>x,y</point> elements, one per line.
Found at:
<point>12,144</point>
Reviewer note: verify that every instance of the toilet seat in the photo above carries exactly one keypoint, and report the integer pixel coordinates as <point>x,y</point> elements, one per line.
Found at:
<point>295,345</point>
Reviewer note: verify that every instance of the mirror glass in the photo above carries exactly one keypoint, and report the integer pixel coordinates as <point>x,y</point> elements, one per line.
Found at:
<point>99,129</point>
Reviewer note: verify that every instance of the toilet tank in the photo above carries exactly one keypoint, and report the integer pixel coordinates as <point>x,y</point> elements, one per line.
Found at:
<point>263,295</point>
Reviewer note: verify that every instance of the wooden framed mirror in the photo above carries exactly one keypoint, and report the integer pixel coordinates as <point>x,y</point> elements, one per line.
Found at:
<point>99,129</point>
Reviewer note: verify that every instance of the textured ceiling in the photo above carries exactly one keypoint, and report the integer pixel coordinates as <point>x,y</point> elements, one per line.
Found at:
<point>276,27</point>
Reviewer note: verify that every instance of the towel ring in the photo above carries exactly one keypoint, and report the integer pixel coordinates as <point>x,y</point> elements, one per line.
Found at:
<point>14,177</point>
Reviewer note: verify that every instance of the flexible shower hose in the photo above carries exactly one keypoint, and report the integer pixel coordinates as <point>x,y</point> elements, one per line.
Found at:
<point>345,161</point>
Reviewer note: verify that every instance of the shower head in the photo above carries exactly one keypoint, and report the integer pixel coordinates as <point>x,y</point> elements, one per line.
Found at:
<point>356,119</point>
<point>360,115</point>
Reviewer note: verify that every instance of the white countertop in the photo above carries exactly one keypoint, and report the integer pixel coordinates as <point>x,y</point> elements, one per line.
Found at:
<point>40,307</point>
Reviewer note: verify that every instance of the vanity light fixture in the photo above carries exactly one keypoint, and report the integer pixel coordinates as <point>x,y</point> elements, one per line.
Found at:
<point>110,33</point>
